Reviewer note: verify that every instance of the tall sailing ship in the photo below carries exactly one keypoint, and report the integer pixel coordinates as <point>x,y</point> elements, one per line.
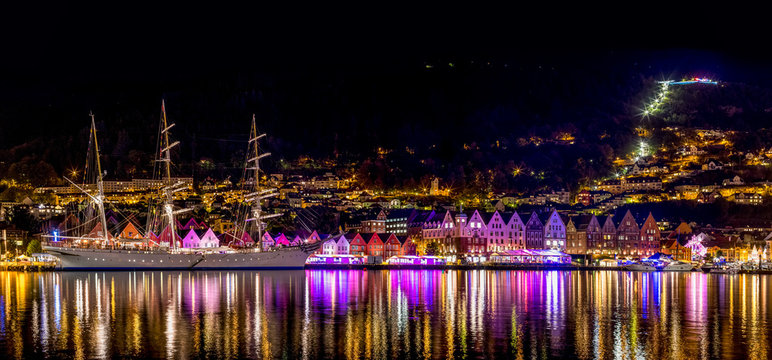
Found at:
<point>99,250</point>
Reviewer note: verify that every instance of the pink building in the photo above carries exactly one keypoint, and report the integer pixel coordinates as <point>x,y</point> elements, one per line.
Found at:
<point>200,239</point>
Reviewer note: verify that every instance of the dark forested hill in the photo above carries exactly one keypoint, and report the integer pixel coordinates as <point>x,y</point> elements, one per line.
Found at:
<point>443,115</point>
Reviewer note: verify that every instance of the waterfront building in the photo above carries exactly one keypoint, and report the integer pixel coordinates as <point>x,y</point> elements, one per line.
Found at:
<point>474,234</point>
<point>594,236</point>
<point>498,239</point>
<point>247,239</point>
<point>130,232</point>
<point>530,256</point>
<point>166,237</point>
<point>609,236</point>
<point>200,238</point>
<point>577,235</point>
<point>190,240</point>
<point>675,243</point>
<point>330,246</point>
<point>374,244</point>
<point>281,240</point>
<point>408,247</point>
<point>554,232</point>
<point>442,230</point>
<point>516,231</point>
<point>313,237</point>
<point>357,244</point>
<point>650,236</point>
<point>294,239</point>
<point>628,236</point>
<point>392,246</point>
<point>534,232</point>
<point>268,241</point>
<point>342,246</point>
<point>416,227</point>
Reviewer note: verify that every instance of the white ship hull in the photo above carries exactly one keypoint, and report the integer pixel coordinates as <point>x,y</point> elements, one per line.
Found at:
<point>639,267</point>
<point>678,267</point>
<point>93,259</point>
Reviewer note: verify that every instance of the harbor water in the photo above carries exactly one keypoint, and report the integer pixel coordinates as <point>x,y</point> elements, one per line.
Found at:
<point>376,314</point>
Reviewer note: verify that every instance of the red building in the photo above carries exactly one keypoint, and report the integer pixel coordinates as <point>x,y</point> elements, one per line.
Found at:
<point>357,244</point>
<point>594,236</point>
<point>584,197</point>
<point>378,225</point>
<point>392,246</point>
<point>166,237</point>
<point>408,246</point>
<point>628,234</point>
<point>650,236</point>
<point>374,244</point>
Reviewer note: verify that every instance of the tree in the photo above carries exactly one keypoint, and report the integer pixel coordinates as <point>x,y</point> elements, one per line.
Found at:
<point>34,247</point>
<point>432,248</point>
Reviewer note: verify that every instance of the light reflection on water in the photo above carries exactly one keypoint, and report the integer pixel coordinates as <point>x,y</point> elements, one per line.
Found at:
<point>356,314</point>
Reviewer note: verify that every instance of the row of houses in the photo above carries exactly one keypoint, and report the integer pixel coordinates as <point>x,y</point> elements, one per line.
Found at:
<point>384,245</point>
<point>482,233</point>
<point>485,233</point>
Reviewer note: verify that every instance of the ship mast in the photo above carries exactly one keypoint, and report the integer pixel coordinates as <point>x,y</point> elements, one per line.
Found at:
<point>100,197</point>
<point>255,197</point>
<point>169,188</point>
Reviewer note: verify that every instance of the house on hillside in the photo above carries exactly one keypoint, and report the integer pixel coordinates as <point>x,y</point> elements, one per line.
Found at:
<point>712,164</point>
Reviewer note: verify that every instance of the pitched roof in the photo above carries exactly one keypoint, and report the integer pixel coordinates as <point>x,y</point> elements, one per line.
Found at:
<point>384,236</point>
<point>424,216</point>
<point>94,233</point>
<point>526,217</point>
<point>486,217</point>
<point>366,236</point>
<point>581,221</point>
<point>200,232</point>
<point>602,221</point>
<point>544,216</point>
<point>130,228</point>
<point>191,224</point>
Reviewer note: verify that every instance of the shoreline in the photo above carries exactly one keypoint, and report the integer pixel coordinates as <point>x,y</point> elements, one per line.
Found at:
<point>523,267</point>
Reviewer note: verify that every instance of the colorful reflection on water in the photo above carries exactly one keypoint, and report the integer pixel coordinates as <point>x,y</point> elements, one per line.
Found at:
<point>356,314</point>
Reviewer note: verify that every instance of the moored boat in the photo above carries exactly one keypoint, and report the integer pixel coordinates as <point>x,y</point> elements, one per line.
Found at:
<point>678,266</point>
<point>639,267</point>
<point>101,250</point>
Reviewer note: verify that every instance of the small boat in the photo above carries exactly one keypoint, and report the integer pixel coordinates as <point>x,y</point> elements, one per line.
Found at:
<point>727,269</point>
<point>678,266</point>
<point>639,267</point>
<point>706,267</point>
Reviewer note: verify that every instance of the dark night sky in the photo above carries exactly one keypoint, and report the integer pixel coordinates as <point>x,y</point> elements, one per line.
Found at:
<point>59,61</point>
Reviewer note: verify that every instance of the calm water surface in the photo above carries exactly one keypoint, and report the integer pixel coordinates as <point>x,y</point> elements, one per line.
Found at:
<point>384,314</point>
